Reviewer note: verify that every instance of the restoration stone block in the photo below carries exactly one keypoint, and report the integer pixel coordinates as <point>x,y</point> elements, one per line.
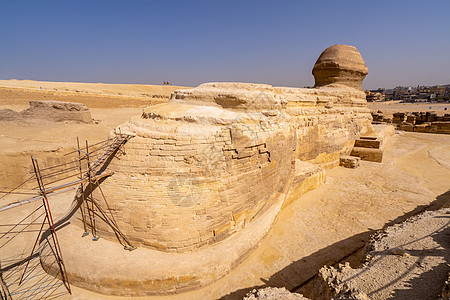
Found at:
<point>368,142</point>
<point>369,154</point>
<point>349,161</point>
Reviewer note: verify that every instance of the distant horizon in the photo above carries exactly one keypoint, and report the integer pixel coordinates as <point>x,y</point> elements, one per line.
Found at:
<point>133,83</point>
<point>189,43</point>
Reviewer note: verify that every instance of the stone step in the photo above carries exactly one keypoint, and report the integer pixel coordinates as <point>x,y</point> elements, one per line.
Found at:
<point>368,142</point>
<point>369,154</point>
<point>370,148</point>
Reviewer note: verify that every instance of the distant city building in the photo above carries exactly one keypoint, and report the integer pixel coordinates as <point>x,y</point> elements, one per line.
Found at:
<point>438,90</point>
<point>403,93</point>
<point>389,94</point>
<point>420,93</point>
<point>436,93</point>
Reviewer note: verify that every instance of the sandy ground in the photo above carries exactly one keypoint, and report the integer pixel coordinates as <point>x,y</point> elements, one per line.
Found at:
<point>92,88</point>
<point>17,245</point>
<point>49,141</point>
<point>395,106</point>
<point>17,93</point>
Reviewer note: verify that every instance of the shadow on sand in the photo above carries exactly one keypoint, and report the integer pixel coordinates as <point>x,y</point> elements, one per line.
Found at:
<point>298,274</point>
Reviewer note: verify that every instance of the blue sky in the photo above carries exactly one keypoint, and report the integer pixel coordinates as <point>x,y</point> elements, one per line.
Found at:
<point>191,42</point>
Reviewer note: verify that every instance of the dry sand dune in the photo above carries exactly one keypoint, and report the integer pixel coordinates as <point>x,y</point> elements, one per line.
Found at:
<point>92,88</point>
<point>17,93</point>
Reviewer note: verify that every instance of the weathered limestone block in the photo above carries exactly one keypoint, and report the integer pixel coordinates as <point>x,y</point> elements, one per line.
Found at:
<point>431,116</point>
<point>428,127</point>
<point>349,161</point>
<point>399,118</point>
<point>55,111</point>
<point>411,120</point>
<point>406,127</point>
<point>440,127</point>
<point>322,133</point>
<point>371,147</point>
<point>59,111</point>
<point>248,97</point>
<point>368,142</point>
<point>369,154</point>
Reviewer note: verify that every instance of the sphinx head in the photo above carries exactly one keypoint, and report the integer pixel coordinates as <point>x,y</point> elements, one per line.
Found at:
<point>340,64</point>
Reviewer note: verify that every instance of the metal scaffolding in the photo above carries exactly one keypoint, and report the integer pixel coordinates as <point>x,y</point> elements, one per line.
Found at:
<point>20,274</point>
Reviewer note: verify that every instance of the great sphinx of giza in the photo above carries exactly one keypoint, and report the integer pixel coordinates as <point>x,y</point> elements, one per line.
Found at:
<point>206,174</point>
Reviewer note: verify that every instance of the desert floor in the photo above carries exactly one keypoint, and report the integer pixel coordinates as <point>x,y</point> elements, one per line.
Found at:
<point>15,94</point>
<point>327,225</point>
<point>395,106</point>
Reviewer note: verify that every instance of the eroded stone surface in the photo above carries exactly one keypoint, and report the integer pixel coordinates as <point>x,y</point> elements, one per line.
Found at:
<point>349,161</point>
<point>404,261</point>
<point>205,164</point>
<point>56,111</point>
<point>330,283</point>
<point>340,64</point>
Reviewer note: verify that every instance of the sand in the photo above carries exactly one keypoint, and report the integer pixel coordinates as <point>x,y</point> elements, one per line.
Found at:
<point>48,140</point>
<point>15,94</point>
<point>390,107</point>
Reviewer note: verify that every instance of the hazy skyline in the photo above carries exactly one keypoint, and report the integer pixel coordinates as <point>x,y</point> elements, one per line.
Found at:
<point>191,42</point>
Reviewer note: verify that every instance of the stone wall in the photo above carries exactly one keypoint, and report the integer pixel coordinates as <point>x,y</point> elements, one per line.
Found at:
<point>327,121</point>
<point>55,111</point>
<point>201,167</point>
<point>188,184</point>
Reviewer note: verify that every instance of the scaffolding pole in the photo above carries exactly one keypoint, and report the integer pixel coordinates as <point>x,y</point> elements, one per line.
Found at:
<point>49,219</point>
<point>52,180</point>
